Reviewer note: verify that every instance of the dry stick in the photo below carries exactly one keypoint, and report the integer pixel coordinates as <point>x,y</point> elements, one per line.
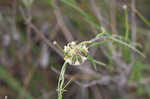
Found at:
<point>29,59</point>
<point>133,31</point>
<point>54,32</point>
<point>60,22</point>
<point>113,17</point>
<point>14,26</point>
<point>46,40</point>
<point>41,34</point>
<point>97,11</point>
<point>133,21</point>
<point>28,31</point>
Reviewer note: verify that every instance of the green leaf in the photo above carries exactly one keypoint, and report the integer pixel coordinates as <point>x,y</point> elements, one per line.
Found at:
<point>94,62</point>
<point>142,18</point>
<point>126,44</point>
<point>99,63</point>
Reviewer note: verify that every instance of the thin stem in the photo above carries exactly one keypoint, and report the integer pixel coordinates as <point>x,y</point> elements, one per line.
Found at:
<point>58,46</point>
<point>126,24</point>
<point>96,44</point>
<point>61,81</point>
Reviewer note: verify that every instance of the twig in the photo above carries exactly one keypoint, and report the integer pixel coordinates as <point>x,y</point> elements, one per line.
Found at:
<point>133,33</point>
<point>40,34</point>
<point>97,11</point>
<point>61,23</point>
<point>113,16</point>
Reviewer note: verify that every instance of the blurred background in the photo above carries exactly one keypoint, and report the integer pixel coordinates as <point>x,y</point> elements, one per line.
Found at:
<point>30,64</point>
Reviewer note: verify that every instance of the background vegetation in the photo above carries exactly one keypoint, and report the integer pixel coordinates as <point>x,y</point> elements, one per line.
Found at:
<point>30,64</point>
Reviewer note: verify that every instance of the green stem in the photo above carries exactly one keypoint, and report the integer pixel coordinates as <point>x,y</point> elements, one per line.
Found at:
<point>61,80</point>
<point>126,24</point>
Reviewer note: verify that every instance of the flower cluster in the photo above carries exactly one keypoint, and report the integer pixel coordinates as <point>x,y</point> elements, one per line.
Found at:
<point>75,54</point>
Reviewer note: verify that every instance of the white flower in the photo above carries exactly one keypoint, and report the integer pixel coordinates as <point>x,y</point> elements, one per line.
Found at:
<point>75,54</point>
<point>124,6</point>
<point>77,63</point>
<point>84,58</point>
